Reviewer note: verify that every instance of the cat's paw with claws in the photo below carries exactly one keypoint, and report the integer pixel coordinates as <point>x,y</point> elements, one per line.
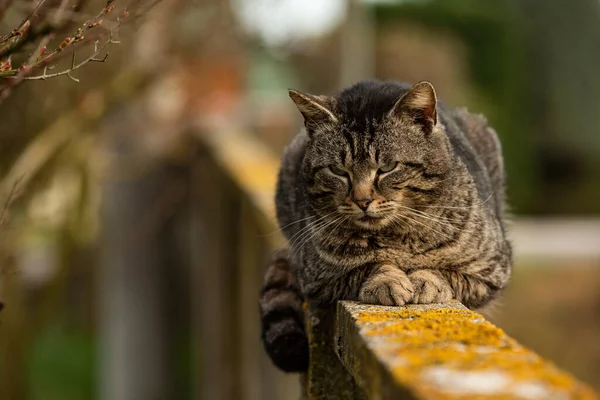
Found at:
<point>387,286</point>
<point>430,287</point>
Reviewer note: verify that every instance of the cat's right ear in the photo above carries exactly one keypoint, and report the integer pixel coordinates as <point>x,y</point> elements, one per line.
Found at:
<point>316,110</point>
<point>419,104</point>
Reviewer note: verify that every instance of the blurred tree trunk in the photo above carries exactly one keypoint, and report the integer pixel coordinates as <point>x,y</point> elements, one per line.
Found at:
<point>136,359</point>
<point>14,335</point>
<point>136,363</point>
<point>207,59</point>
<point>357,42</point>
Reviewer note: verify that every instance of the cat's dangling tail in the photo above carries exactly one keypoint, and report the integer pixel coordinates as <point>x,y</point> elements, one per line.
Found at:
<point>282,316</point>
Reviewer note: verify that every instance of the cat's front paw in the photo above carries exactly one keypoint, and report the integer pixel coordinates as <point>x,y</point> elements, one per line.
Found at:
<point>429,287</point>
<point>387,286</point>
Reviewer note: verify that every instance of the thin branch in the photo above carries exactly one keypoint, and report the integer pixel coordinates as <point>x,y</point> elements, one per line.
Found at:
<point>41,48</point>
<point>24,23</point>
<point>39,59</point>
<point>72,67</point>
<point>62,17</point>
<point>23,34</point>
<point>71,16</point>
<point>92,58</point>
<point>49,22</point>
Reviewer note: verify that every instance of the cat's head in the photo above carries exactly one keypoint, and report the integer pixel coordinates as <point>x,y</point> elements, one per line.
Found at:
<point>375,151</point>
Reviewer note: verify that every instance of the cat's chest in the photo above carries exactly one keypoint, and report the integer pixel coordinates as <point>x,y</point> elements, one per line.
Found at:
<point>361,248</point>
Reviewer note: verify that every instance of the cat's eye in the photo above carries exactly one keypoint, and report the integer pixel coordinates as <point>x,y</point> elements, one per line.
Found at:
<point>337,170</point>
<point>387,167</point>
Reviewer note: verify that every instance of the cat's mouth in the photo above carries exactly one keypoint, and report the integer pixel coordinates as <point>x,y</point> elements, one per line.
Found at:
<point>370,220</point>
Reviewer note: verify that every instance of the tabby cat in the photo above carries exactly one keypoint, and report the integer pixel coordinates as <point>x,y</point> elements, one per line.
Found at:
<point>388,198</point>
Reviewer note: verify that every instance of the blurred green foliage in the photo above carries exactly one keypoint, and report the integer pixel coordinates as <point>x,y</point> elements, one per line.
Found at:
<point>62,365</point>
<point>532,67</point>
<point>496,68</point>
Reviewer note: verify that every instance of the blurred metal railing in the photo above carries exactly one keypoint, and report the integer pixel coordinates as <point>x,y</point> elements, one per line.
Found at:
<point>357,351</point>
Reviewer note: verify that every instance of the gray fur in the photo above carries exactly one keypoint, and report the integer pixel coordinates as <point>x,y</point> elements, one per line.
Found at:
<point>437,230</point>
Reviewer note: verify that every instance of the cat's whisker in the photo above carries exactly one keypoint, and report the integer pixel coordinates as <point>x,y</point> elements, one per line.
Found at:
<point>453,223</point>
<point>439,219</point>
<point>307,228</point>
<point>313,233</point>
<point>449,222</point>
<point>288,225</point>
<point>302,232</point>
<point>432,219</point>
<point>475,204</point>
<point>449,226</point>
<point>294,239</point>
<point>327,240</point>
<point>402,224</point>
<point>310,225</point>
<point>297,245</point>
<point>421,223</point>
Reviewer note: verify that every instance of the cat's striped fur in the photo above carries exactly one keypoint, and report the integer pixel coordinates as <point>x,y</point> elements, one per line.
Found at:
<point>387,198</point>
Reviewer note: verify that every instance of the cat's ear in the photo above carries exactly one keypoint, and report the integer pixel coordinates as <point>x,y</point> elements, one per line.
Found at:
<point>420,104</point>
<point>316,110</point>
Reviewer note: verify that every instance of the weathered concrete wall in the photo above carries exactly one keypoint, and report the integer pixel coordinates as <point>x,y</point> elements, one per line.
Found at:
<point>442,351</point>
<point>327,378</point>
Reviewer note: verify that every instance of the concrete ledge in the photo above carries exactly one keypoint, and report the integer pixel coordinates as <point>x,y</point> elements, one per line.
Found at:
<point>252,167</point>
<point>249,163</point>
<point>442,351</point>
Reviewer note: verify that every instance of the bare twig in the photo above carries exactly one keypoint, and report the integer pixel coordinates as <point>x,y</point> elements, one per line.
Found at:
<point>40,60</point>
<point>51,21</point>
<point>23,34</point>
<point>68,16</point>
<point>92,58</point>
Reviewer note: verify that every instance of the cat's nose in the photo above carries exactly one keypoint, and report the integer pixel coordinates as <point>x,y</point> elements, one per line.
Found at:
<point>363,203</point>
<point>362,195</point>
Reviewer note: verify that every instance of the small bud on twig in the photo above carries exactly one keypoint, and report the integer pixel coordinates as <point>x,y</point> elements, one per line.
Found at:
<point>6,64</point>
<point>41,54</point>
<point>65,43</point>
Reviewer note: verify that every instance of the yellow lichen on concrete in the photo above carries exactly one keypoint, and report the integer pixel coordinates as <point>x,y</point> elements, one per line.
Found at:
<point>453,352</point>
<point>414,327</point>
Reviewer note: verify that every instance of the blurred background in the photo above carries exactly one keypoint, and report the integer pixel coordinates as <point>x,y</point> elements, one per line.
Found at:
<point>133,237</point>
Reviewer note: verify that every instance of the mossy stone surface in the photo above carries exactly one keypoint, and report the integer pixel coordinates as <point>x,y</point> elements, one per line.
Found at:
<point>443,351</point>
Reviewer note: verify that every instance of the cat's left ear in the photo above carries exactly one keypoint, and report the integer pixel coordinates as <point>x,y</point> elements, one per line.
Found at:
<point>420,104</point>
<point>316,110</point>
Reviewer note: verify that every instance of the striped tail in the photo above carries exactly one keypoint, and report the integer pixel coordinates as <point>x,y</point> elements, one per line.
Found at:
<point>283,333</point>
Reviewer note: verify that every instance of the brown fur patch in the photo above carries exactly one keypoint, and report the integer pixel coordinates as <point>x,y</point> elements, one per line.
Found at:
<point>388,286</point>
